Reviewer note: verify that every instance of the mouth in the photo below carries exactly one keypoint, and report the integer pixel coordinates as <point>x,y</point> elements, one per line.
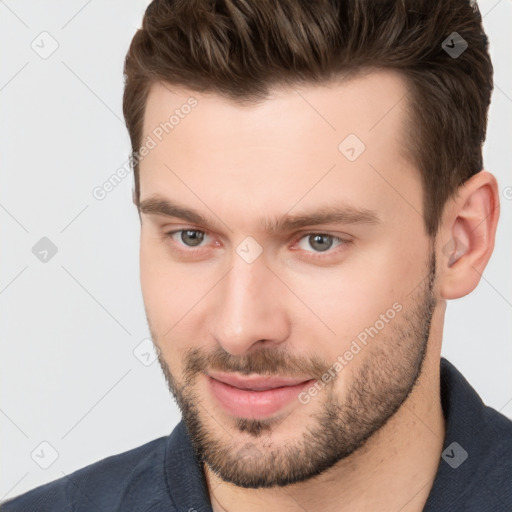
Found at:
<point>257,383</point>
<point>256,397</point>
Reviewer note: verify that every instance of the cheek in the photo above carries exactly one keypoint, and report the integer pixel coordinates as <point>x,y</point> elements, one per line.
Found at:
<point>163,306</point>
<point>164,287</point>
<point>174,299</point>
<point>348,299</point>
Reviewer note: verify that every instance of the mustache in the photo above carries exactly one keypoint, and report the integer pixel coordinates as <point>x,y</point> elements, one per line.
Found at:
<point>265,361</point>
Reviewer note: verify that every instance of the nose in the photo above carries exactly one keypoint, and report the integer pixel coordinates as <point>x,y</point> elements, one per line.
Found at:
<point>250,308</point>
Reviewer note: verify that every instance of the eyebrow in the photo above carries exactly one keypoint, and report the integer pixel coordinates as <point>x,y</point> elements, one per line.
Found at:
<point>326,214</point>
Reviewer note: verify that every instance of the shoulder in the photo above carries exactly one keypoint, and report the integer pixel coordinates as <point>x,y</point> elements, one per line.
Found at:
<point>488,483</point>
<point>475,471</point>
<point>497,464</point>
<point>98,486</point>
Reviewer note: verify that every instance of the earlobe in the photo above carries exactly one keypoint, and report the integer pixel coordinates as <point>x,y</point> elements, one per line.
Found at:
<point>468,230</point>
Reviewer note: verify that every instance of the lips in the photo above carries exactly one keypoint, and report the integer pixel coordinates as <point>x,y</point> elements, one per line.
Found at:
<point>256,383</point>
<point>254,397</point>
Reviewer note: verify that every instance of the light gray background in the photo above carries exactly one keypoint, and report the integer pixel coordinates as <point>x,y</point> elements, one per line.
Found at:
<point>69,327</point>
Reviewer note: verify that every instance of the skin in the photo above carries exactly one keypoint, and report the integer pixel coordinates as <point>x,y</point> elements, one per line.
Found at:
<point>371,439</point>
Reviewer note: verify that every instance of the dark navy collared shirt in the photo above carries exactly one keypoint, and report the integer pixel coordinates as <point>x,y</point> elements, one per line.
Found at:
<point>164,475</point>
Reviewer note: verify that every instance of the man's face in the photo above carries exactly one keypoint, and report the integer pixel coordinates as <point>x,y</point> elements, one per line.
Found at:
<point>344,304</point>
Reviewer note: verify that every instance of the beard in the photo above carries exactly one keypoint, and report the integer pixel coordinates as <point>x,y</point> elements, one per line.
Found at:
<point>375,392</point>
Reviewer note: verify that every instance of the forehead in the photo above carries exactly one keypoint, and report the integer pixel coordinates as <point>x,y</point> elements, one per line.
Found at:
<point>359,104</point>
<point>280,149</point>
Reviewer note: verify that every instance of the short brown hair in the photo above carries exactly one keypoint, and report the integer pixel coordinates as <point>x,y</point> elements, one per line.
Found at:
<point>240,49</point>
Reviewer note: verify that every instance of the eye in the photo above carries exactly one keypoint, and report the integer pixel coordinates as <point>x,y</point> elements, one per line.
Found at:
<point>190,238</point>
<point>320,242</point>
<point>190,241</point>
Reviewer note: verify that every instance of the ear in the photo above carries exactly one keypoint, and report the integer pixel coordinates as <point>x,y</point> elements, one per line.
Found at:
<point>467,233</point>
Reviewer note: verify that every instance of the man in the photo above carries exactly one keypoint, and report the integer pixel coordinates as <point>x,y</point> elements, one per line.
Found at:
<point>311,192</point>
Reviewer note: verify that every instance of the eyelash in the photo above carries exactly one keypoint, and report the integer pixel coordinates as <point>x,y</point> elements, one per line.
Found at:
<point>193,251</point>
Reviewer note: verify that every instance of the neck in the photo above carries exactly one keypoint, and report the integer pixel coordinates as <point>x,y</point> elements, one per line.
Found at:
<point>393,470</point>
